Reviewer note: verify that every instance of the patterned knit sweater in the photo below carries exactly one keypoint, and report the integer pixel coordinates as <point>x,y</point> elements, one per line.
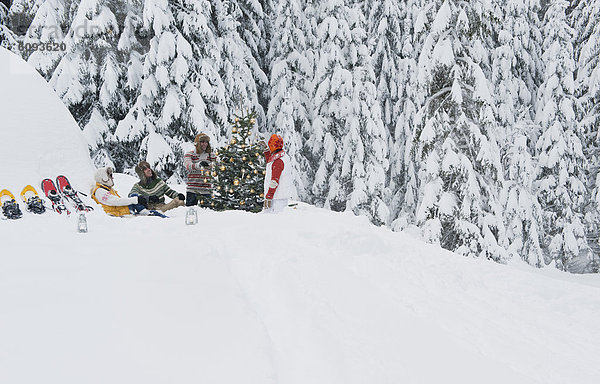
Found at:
<point>154,187</point>
<point>199,178</point>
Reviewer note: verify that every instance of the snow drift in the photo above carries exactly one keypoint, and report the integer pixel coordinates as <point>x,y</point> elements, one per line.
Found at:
<point>38,136</point>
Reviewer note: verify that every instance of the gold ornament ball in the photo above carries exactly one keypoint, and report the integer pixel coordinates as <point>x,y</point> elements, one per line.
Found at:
<point>234,130</point>
<point>244,158</point>
<point>222,168</point>
<point>212,203</point>
<point>218,188</point>
<point>255,172</point>
<point>248,177</point>
<point>231,159</point>
<point>257,154</point>
<point>252,190</point>
<point>242,202</point>
<point>201,201</point>
<point>261,195</point>
<point>230,190</point>
<point>249,163</point>
<point>236,182</point>
<point>237,119</point>
<point>264,172</point>
<point>233,141</point>
<point>252,121</point>
<point>214,174</point>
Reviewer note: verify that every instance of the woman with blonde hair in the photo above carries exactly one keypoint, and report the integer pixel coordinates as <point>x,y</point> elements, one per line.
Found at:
<point>199,166</point>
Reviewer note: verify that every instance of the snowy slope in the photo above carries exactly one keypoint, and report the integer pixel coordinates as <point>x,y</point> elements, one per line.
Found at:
<point>328,299</point>
<point>304,297</point>
<point>38,136</point>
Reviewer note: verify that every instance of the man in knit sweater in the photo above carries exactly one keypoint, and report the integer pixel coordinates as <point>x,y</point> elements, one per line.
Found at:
<point>154,189</point>
<point>199,166</point>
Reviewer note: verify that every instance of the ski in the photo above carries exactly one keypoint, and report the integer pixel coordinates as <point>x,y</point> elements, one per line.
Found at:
<point>31,199</point>
<point>55,198</point>
<point>10,207</point>
<point>71,195</point>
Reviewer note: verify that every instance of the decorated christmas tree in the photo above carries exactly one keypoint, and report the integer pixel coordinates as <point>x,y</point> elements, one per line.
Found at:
<point>241,170</point>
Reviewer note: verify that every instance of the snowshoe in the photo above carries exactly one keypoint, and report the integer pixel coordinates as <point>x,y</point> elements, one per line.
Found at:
<point>71,195</point>
<point>55,198</point>
<point>10,207</point>
<point>32,200</point>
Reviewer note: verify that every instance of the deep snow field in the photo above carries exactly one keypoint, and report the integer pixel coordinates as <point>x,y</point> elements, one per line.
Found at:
<point>307,296</point>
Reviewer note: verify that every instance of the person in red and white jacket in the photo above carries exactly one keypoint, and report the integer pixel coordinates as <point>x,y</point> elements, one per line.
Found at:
<point>278,181</point>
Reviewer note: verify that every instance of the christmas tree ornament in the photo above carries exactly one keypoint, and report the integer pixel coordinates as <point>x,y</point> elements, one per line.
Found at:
<point>236,182</point>
<point>222,168</point>
<point>233,141</point>
<point>244,158</point>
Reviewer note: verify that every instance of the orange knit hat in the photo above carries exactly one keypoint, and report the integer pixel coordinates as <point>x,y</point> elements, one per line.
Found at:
<point>275,143</point>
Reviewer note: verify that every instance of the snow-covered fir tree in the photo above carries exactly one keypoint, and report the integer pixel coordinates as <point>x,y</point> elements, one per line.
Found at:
<point>159,122</point>
<point>289,111</point>
<point>87,77</point>
<point>586,20</point>
<point>7,36</point>
<point>236,64</point>
<point>254,27</point>
<point>521,209</point>
<point>21,14</point>
<point>516,60</point>
<point>348,132</point>
<point>208,110</point>
<point>562,164</point>
<point>49,26</point>
<point>515,74</point>
<point>455,145</point>
<point>393,51</point>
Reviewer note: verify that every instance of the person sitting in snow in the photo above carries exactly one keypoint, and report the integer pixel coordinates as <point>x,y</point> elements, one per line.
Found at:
<point>154,189</point>
<point>109,199</point>
<point>199,165</point>
<point>278,181</point>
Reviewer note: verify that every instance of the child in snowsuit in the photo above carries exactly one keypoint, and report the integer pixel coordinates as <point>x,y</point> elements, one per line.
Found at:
<point>109,199</point>
<point>154,189</point>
